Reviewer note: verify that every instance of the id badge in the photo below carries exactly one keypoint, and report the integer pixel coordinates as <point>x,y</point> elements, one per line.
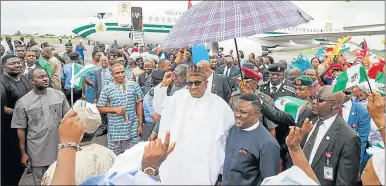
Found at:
<point>328,172</point>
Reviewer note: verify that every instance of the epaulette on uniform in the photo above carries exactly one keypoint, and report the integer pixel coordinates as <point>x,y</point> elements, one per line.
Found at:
<point>291,89</point>
<point>264,97</point>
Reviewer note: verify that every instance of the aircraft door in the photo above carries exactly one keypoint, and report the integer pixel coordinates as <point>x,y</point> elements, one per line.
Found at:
<point>136,14</point>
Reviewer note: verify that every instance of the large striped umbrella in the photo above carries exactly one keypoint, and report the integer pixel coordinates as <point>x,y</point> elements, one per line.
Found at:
<point>214,21</point>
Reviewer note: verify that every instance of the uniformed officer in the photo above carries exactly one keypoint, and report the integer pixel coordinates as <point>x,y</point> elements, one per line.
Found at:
<point>252,79</point>
<point>303,87</point>
<point>277,86</point>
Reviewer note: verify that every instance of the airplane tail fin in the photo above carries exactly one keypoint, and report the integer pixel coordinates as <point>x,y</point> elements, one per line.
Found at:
<point>189,4</point>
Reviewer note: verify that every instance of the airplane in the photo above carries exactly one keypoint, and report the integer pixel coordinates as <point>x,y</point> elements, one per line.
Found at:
<point>135,22</point>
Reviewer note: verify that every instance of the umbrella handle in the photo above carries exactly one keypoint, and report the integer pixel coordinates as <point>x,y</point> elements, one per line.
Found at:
<point>238,59</point>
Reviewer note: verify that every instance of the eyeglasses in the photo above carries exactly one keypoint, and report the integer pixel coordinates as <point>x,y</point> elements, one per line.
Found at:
<point>347,93</point>
<point>196,83</point>
<point>320,100</point>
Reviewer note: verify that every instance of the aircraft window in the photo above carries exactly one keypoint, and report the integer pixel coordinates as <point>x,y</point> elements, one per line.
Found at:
<point>169,20</point>
<point>157,19</point>
<point>308,30</point>
<point>321,30</point>
<point>163,19</point>
<point>304,29</point>
<point>151,18</point>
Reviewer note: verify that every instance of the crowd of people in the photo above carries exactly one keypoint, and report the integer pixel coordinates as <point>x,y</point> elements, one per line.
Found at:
<point>221,114</point>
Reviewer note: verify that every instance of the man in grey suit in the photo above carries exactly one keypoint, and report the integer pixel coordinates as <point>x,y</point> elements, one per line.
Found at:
<point>332,147</point>
<point>217,84</point>
<point>180,79</point>
<point>99,83</point>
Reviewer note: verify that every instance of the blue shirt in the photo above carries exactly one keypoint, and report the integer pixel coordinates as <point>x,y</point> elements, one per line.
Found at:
<point>67,74</point>
<point>148,109</point>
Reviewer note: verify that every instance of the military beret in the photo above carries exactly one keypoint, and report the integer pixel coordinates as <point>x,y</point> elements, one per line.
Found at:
<point>276,67</point>
<point>303,80</point>
<point>250,74</point>
<point>157,74</point>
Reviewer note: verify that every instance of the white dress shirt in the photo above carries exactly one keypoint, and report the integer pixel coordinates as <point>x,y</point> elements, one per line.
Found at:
<point>346,109</point>
<point>27,68</point>
<point>277,86</point>
<point>320,136</point>
<point>226,69</point>
<point>251,127</point>
<point>210,83</point>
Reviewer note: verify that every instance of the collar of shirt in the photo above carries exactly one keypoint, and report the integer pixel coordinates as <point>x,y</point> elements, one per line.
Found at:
<point>277,86</point>
<point>210,79</point>
<point>31,67</point>
<point>347,104</point>
<point>315,82</point>
<point>252,127</point>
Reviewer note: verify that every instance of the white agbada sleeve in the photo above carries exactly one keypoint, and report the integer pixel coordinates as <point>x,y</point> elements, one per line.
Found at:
<point>160,97</point>
<point>200,127</point>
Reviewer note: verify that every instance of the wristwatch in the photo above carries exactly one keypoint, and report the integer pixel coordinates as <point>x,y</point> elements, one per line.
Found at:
<point>151,171</point>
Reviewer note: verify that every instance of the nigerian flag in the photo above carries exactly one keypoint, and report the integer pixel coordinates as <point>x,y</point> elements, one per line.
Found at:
<point>380,82</point>
<point>78,72</point>
<point>351,77</point>
<point>290,105</point>
<point>46,65</point>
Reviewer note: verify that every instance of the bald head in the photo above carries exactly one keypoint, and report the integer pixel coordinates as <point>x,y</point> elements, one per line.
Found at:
<point>205,65</point>
<point>326,92</point>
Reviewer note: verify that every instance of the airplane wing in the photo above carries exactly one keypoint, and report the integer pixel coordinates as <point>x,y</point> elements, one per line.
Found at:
<point>317,36</point>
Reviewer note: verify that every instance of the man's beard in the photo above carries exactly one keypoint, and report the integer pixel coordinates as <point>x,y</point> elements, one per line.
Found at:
<point>14,73</point>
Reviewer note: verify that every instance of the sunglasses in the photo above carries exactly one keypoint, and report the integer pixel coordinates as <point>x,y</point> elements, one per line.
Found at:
<point>347,93</point>
<point>320,100</point>
<point>196,83</point>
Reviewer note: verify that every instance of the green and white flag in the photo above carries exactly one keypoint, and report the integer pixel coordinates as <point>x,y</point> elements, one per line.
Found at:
<point>78,72</point>
<point>349,78</point>
<point>380,82</point>
<point>290,105</point>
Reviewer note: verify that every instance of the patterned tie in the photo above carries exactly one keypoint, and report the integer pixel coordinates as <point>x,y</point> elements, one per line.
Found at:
<point>307,149</point>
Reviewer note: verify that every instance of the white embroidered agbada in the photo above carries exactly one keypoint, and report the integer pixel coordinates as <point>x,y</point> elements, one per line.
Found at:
<point>200,127</point>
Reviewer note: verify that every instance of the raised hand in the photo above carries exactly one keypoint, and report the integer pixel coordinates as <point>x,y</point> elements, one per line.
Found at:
<point>168,78</point>
<point>375,105</point>
<point>156,152</point>
<point>71,129</point>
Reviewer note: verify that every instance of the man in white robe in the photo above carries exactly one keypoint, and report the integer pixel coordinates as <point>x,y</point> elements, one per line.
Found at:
<point>199,122</point>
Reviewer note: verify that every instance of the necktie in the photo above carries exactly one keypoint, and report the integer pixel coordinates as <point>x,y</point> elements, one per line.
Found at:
<point>229,69</point>
<point>307,149</point>
<point>274,89</point>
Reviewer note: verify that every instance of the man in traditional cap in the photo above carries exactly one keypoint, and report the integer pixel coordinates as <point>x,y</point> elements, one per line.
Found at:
<point>251,86</point>
<point>66,57</point>
<point>102,158</point>
<point>188,113</point>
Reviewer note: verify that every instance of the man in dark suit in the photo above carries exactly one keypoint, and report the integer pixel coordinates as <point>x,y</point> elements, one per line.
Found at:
<point>332,147</point>
<point>214,66</point>
<point>99,82</point>
<point>357,118</point>
<point>217,84</point>
<point>228,69</point>
<point>144,79</point>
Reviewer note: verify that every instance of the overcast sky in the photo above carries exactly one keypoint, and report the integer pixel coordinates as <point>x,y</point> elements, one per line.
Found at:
<point>60,17</point>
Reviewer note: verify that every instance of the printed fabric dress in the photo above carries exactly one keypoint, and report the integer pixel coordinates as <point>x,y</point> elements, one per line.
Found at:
<point>122,128</point>
<point>89,92</point>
